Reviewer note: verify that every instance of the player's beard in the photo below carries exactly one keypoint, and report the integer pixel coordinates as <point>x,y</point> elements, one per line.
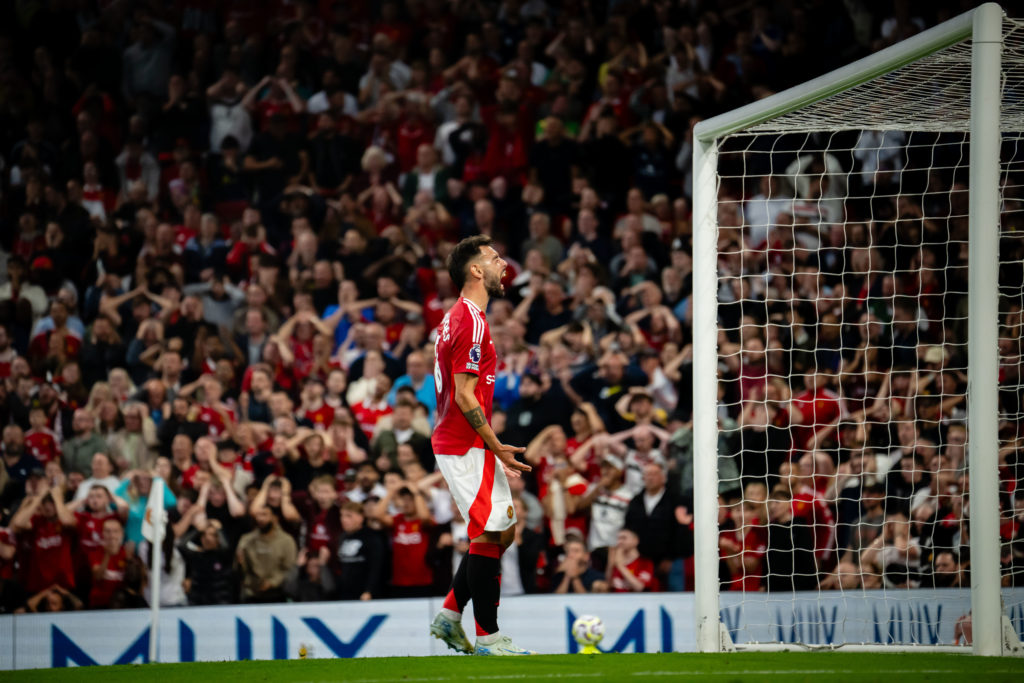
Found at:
<point>493,286</point>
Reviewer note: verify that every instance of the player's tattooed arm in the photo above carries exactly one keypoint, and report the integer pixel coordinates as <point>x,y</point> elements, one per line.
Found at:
<point>475,417</point>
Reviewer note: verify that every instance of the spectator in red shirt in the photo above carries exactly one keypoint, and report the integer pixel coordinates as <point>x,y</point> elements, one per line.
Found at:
<point>49,530</point>
<point>108,565</point>
<point>58,342</point>
<point>411,575</point>
<point>7,352</point>
<point>628,571</point>
<point>743,547</point>
<point>40,440</point>
<point>375,406</point>
<point>816,410</point>
<point>415,132</point>
<point>811,506</point>
<point>507,153</point>
<point>323,518</point>
<point>313,407</point>
<point>253,242</point>
<point>218,416</point>
<point>91,512</point>
<point>297,336</point>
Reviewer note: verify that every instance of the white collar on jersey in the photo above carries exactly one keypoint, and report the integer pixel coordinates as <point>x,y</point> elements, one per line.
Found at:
<point>478,309</point>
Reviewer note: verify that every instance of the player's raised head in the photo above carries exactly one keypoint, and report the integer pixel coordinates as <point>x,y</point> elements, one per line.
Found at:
<point>464,255</point>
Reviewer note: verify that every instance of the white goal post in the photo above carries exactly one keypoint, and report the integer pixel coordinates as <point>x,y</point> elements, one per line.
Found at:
<point>831,104</point>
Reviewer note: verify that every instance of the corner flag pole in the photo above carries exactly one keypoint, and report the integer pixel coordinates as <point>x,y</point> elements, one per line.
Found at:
<point>155,525</point>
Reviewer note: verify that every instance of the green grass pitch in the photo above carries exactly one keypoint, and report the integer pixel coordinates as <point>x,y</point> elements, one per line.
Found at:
<point>823,667</point>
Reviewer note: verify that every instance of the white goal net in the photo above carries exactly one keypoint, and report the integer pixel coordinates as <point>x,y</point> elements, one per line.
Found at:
<point>842,220</point>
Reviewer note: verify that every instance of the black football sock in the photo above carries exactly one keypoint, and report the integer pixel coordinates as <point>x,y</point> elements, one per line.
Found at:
<point>458,596</point>
<point>484,574</point>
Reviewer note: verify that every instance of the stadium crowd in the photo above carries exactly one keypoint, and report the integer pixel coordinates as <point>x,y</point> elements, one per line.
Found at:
<point>225,232</point>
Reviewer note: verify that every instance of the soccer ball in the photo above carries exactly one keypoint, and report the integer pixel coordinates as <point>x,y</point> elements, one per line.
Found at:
<point>588,630</point>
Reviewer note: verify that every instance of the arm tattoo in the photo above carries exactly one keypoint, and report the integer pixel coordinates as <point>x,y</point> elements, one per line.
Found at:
<point>475,417</point>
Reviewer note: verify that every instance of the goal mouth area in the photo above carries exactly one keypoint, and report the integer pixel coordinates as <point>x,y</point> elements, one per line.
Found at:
<point>920,146</point>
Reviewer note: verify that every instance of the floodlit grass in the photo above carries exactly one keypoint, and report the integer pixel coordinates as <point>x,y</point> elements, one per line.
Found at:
<point>817,667</point>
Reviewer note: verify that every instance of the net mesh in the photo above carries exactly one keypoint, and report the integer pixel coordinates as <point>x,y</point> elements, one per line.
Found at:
<point>930,94</point>
<point>843,360</point>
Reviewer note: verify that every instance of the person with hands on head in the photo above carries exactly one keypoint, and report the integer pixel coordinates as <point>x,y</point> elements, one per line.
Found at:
<point>56,598</point>
<point>219,502</point>
<point>208,557</point>
<point>48,526</point>
<point>91,513</point>
<point>411,575</point>
<point>608,500</point>
<point>276,494</point>
<point>469,453</point>
<point>265,555</point>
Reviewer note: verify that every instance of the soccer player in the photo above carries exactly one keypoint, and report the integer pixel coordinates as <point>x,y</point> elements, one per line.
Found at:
<point>475,464</point>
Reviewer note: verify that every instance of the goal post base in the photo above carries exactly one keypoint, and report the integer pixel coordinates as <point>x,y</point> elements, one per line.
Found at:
<point>1012,647</point>
<point>726,639</point>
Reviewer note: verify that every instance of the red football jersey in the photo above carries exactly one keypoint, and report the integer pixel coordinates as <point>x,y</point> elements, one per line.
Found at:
<point>818,408</point>
<point>49,560</point>
<point>7,566</point>
<point>409,545</point>
<point>368,414</point>
<point>321,533</point>
<point>90,529</point>
<point>463,345</point>
<point>322,417</point>
<point>642,568</point>
<point>214,420</point>
<point>43,445</point>
<point>104,587</point>
<point>753,544</point>
<point>811,509</point>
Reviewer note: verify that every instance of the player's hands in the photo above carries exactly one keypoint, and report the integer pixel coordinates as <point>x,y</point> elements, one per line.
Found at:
<point>507,456</point>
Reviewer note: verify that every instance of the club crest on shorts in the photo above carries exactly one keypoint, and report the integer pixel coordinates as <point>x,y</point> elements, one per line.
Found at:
<point>474,353</point>
<point>510,512</point>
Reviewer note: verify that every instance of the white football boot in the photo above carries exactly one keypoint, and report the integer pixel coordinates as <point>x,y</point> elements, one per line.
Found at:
<point>451,633</point>
<point>502,646</point>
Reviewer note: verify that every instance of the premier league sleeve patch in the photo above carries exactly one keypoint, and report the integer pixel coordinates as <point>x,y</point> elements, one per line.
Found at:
<point>474,357</point>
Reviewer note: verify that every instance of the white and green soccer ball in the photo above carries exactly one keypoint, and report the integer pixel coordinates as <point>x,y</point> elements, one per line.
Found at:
<point>588,630</point>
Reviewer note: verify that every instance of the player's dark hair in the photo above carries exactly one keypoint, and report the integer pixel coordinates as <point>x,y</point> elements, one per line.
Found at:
<point>462,255</point>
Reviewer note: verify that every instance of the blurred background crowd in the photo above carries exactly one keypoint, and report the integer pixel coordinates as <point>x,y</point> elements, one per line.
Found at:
<point>224,228</point>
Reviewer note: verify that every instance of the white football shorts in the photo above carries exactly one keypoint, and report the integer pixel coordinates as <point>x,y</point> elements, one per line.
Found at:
<point>478,484</point>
